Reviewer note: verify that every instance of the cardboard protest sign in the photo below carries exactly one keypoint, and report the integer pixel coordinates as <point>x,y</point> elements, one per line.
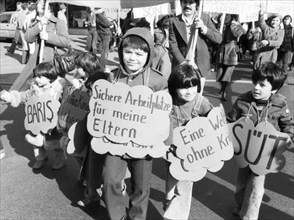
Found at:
<point>129,114</point>
<point>246,9</point>
<point>103,146</point>
<point>259,147</point>
<point>74,106</point>
<point>203,144</point>
<point>285,7</point>
<point>41,113</point>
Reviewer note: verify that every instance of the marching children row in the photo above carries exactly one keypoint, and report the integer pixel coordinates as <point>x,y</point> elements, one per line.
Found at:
<point>263,103</point>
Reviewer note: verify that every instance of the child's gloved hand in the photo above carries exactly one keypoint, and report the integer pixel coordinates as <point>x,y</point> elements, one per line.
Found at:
<point>5,96</point>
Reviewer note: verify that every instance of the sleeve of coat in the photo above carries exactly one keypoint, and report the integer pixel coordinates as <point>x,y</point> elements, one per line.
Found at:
<point>173,45</point>
<point>237,30</point>
<point>212,33</point>
<point>32,33</point>
<point>278,42</point>
<point>103,20</point>
<point>61,38</point>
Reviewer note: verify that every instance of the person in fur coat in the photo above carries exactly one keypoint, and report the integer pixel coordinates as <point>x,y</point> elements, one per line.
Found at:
<point>272,38</point>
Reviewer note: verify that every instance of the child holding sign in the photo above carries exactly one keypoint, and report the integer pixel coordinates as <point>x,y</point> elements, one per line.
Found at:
<point>135,54</point>
<point>184,86</point>
<point>45,81</point>
<point>263,103</point>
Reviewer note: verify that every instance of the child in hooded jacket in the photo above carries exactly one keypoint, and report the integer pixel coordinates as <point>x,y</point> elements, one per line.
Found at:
<point>135,55</point>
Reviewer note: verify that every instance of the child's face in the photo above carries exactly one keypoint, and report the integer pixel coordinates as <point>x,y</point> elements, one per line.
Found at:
<point>134,59</point>
<point>81,73</point>
<point>187,94</point>
<point>42,81</point>
<point>262,90</point>
<point>287,21</point>
<point>275,22</point>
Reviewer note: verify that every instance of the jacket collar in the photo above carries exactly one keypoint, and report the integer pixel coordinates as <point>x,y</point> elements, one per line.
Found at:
<point>276,99</point>
<point>181,26</point>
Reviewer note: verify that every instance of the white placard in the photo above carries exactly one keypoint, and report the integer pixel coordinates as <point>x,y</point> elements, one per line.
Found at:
<point>41,113</point>
<point>126,114</point>
<point>203,144</point>
<point>259,147</point>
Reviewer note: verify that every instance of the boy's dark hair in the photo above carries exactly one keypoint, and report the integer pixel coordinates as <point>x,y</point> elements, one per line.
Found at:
<point>196,1</point>
<point>136,42</point>
<point>24,6</point>
<point>271,72</point>
<point>93,78</point>
<point>287,16</point>
<point>183,76</point>
<point>89,62</point>
<point>47,70</point>
<point>65,63</point>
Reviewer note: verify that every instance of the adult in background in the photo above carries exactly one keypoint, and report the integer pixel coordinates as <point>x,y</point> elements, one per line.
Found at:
<point>272,38</point>
<point>228,54</point>
<point>131,22</point>
<point>30,18</point>
<point>287,47</point>
<point>161,60</point>
<point>55,36</point>
<point>61,14</point>
<point>13,20</point>
<point>103,28</point>
<point>179,35</point>
<point>92,35</point>
<point>20,25</point>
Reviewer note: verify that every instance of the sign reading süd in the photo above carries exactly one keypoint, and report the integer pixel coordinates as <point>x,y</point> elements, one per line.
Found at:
<point>259,147</point>
<point>41,113</point>
<point>203,144</point>
<point>126,114</point>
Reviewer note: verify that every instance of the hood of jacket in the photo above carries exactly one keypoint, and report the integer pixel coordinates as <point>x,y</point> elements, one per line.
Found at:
<point>143,33</point>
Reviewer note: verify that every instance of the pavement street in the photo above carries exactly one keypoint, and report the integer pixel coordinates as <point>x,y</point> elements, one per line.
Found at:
<point>52,195</point>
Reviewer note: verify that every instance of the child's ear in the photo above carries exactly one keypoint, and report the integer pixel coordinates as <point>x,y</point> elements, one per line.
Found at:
<point>274,91</point>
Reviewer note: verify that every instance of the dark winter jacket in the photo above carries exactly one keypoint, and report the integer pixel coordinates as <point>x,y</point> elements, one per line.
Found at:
<point>277,112</point>
<point>288,42</point>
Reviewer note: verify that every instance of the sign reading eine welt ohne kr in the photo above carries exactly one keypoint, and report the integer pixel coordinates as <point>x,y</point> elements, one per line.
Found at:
<point>123,114</point>
<point>203,144</point>
<point>259,147</point>
<point>41,113</point>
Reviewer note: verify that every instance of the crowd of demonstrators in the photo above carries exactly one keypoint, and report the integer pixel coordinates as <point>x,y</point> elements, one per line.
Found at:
<point>228,54</point>
<point>158,62</point>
